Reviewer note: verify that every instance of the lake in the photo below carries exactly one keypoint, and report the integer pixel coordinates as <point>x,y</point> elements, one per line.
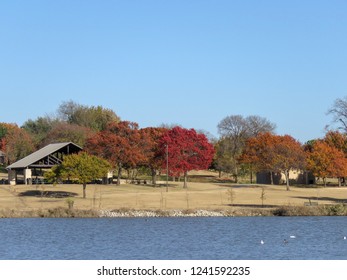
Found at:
<point>237,238</point>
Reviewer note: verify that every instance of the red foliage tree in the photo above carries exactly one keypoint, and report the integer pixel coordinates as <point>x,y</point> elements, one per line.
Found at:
<point>151,148</point>
<point>120,143</point>
<point>187,150</point>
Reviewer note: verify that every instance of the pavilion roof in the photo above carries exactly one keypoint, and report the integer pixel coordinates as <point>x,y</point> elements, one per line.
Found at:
<point>46,155</point>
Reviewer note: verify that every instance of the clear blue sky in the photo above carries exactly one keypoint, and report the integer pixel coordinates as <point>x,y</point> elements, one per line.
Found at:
<point>186,62</point>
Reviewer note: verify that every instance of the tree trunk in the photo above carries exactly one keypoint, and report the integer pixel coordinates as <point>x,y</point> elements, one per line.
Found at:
<point>154,177</point>
<point>119,174</point>
<point>325,181</point>
<point>220,174</point>
<point>84,190</point>
<point>339,179</point>
<point>271,178</point>
<point>185,179</point>
<point>287,179</point>
<point>236,176</point>
<point>129,176</point>
<point>134,174</point>
<point>250,168</point>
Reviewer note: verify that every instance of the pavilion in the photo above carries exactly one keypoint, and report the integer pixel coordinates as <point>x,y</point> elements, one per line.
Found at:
<point>45,158</point>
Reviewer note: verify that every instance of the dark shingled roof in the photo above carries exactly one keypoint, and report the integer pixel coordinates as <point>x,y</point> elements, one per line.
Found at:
<point>41,154</point>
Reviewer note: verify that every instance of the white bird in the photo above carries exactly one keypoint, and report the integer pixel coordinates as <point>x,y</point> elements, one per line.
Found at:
<point>292,236</point>
<point>262,242</point>
<point>344,238</point>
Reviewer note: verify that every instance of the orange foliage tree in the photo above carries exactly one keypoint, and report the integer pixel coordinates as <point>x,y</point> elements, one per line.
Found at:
<point>288,155</point>
<point>337,140</point>
<point>274,153</point>
<point>325,161</point>
<point>258,153</point>
<point>15,142</point>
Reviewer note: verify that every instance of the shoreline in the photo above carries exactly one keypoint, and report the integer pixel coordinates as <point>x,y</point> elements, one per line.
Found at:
<point>282,211</point>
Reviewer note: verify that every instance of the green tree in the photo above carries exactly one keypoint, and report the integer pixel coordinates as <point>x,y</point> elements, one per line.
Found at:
<point>84,168</point>
<point>94,117</point>
<point>224,160</point>
<point>65,132</point>
<point>39,129</point>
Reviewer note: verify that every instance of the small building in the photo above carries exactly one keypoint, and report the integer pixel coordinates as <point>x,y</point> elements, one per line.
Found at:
<point>45,158</point>
<point>295,177</point>
<point>2,158</point>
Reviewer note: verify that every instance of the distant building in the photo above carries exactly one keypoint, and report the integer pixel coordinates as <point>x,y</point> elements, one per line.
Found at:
<point>45,158</point>
<point>295,177</point>
<point>2,158</point>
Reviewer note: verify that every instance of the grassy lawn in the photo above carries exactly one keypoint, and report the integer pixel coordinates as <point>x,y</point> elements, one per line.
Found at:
<point>210,196</point>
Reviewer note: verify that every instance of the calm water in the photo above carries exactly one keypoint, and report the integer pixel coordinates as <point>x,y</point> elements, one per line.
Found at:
<point>174,238</point>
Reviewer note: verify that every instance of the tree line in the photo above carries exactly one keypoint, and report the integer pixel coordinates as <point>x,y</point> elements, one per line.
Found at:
<point>246,144</point>
<point>250,145</point>
<point>122,144</point>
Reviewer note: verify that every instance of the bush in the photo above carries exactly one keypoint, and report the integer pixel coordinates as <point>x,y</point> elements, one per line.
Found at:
<point>61,212</point>
<point>70,202</point>
<point>336,210</point>
<point>298,211</point>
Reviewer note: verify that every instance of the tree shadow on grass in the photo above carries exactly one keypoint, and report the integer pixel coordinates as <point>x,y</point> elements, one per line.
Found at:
<point>171,185</point>
<point>223,180</point>
<point>240,186</point>
<point>321,198</point>
<point>51,194</point>
<point>252,205</point>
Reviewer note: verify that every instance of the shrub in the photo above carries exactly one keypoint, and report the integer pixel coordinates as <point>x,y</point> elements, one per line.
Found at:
<point>336,210</point>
